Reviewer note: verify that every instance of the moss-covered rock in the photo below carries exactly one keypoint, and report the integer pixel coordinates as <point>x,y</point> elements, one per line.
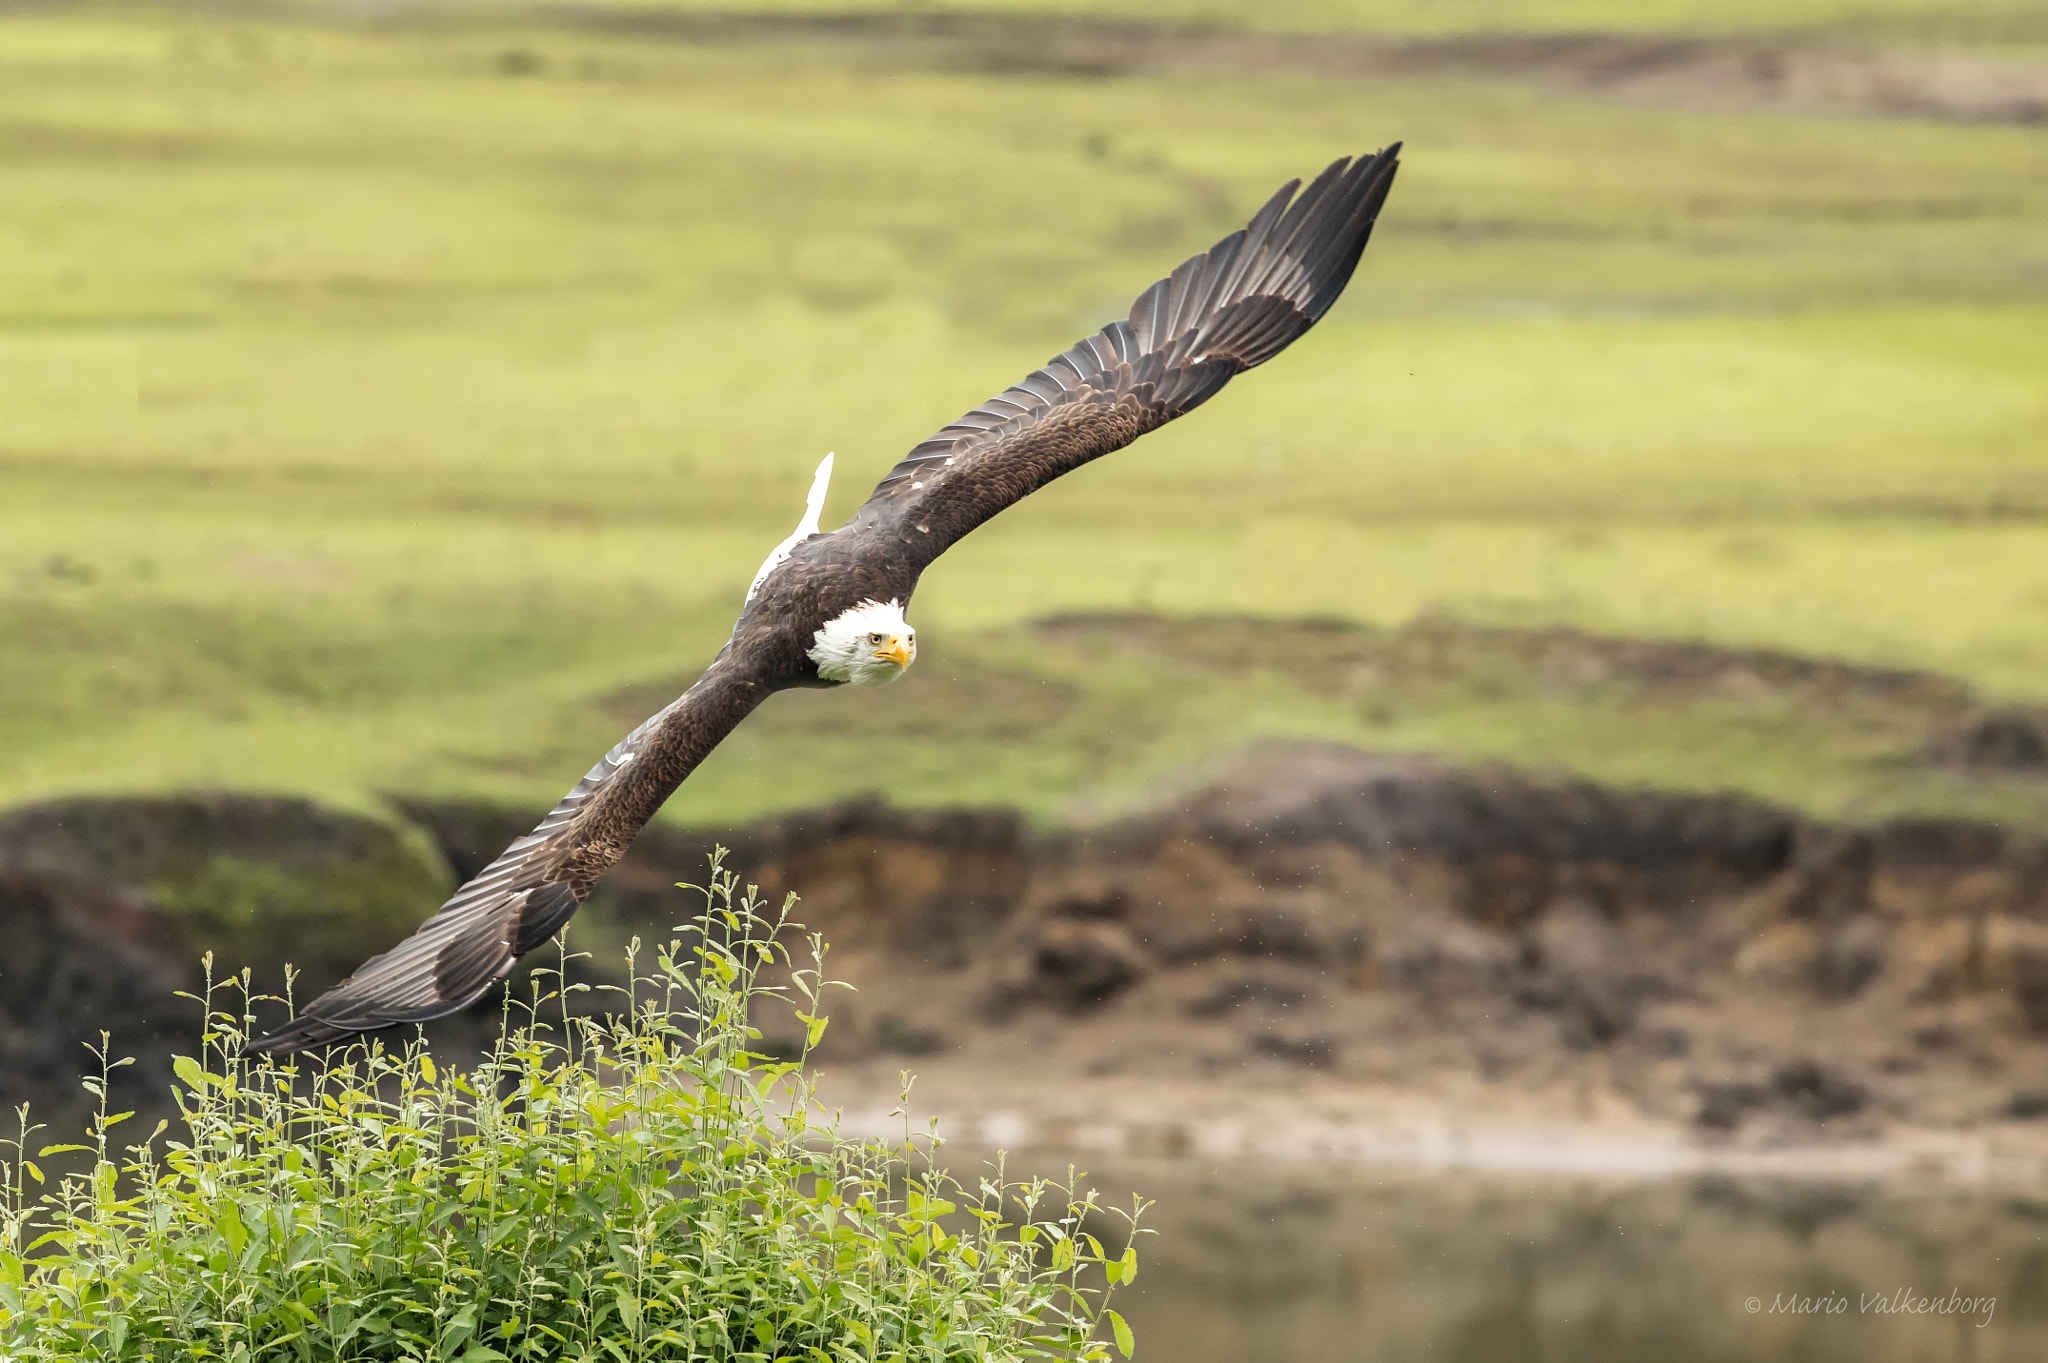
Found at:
<point>256,880</point>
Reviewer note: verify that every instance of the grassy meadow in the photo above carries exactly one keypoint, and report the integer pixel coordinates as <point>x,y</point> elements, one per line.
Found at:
<point>1978,23</point>
<point>396,406</point>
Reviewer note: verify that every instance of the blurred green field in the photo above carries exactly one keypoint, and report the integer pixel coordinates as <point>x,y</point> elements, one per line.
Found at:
<point>380,402</point>
<point>1974,21</point>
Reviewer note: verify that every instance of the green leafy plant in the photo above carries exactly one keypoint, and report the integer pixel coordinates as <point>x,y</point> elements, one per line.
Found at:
<point>638,1186</point>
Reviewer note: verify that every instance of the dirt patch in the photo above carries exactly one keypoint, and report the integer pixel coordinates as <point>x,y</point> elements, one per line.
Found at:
<point>1884,723</point>
<point>1807,76</point>
<point>1339,657</point>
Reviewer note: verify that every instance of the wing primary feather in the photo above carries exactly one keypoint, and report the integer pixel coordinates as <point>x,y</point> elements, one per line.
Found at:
<point>1182,286</point>
<point>1091,356</point>
<point>1042,385</point>
<point>1281,253</point>
<point>1380,179</point>
<point>1122,340</point>
<point>1339,223</point>
<point>1288,254</point>
<point>1061,370</point>
<point>1144,317</point>
<point>543,915</point>
<point>1307,253</point>
<point>1221,261</point>
<point>1256,234</point>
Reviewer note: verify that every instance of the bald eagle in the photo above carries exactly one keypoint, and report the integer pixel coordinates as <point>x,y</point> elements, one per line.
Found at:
<point>828,609</point>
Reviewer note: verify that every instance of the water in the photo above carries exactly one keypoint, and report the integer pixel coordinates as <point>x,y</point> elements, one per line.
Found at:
<point>1286,1264</point>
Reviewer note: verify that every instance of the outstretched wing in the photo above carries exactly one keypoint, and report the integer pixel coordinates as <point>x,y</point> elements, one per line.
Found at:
<point>522,899</point>
<point>1237,305</point>
<point>1219,314</point>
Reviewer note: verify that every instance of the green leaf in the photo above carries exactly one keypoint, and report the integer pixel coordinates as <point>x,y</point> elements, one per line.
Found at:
<point>228,1221</point>
<point>187,1069</point>
<point>1129,1266</point>
<point>1125,1344</point>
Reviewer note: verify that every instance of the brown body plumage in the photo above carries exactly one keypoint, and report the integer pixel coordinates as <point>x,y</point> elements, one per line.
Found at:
<point>1222,312</point>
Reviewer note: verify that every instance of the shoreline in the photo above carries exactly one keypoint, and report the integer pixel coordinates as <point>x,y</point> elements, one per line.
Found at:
<point>1345,1127</point>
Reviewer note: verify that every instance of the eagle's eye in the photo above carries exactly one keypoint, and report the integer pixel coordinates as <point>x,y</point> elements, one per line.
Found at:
<point>874,638</point>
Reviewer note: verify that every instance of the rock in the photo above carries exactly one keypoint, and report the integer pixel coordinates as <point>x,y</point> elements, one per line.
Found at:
<point>256,880</point>
<point>1573,940</point>
<point>1230,995</point>
<point>77,960</point>
<point>1589,1014</point>
<point>1312,1052</point>
<point>1852,957</point>
<point>1442,954</point>
<point>1834,962</point>
<point>2027,1105</point>
<point>899,1036</point>
<point>1833,869</point>
<point>1078,965</point>
<point>1581,974</point>
<point>1818,1092</point>
<point>1808,1089</point>
<point>1948,847</point>
<point>1940,957</point>
<point>2014,958</point>
<point>1510,826</point>
<point>1996,741</point>
<point>1724,1105</point>
<point>1786,957</point>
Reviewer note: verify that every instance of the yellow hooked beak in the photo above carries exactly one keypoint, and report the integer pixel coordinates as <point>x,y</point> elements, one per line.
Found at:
<point>898,651</point>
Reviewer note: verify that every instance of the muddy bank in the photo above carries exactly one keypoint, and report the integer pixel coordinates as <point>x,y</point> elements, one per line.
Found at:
<point>1316,918</point>
<point>1471,938</point>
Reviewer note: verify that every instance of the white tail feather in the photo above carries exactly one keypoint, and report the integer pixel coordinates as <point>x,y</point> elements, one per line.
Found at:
<point>814,506</point>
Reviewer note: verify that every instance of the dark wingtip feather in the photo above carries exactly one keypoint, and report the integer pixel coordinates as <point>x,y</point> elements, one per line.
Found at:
<point>1285,278</point>
<point>1376,178</point>
<point>302,1033</point>
<point>346,1018</point>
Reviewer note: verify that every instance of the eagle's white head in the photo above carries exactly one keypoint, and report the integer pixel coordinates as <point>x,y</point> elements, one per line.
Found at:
<point>869,645</point>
